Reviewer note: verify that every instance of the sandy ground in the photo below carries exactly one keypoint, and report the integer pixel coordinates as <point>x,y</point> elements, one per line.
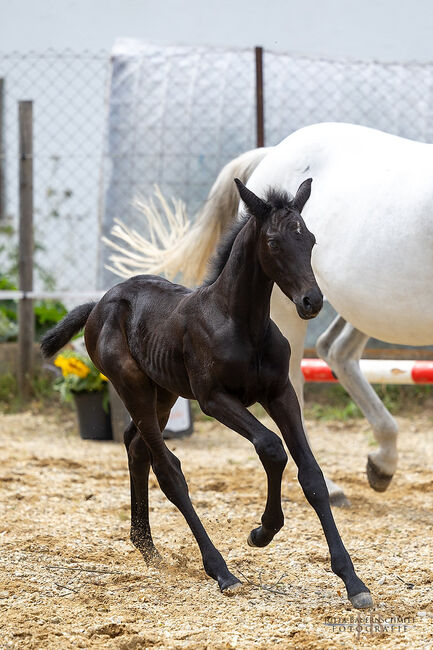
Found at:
<point>69,577</point>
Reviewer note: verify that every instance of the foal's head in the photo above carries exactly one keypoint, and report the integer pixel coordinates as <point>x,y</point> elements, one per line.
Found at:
<point>285,244</point>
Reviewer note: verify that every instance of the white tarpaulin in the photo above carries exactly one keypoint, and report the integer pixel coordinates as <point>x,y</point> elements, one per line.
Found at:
<point>176,116</point>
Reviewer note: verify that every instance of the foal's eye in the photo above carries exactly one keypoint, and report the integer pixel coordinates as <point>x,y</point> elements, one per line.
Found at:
<point>273,245</point>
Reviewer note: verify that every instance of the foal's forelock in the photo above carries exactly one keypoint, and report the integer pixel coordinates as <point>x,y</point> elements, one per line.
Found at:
<point>279,199</point>
<point>285,221</point>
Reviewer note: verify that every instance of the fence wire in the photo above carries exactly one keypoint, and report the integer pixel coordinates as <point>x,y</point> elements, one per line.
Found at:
<point>105,131</point>
<point>392,97</point>
<point>68,91</point>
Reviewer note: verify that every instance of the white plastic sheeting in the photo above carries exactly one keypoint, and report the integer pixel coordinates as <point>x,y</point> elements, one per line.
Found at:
<point>176,116</point>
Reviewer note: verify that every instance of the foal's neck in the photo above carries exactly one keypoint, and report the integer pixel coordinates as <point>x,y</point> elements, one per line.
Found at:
<point>243,287</point>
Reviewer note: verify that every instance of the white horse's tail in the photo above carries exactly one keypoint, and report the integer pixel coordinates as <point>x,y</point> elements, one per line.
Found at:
<point>180,246</point>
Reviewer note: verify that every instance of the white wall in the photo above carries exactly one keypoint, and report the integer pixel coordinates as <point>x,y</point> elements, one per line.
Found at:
<point>388,30</point>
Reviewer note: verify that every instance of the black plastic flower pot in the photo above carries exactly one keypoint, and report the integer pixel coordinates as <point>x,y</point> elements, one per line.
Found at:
<point>94,422</point>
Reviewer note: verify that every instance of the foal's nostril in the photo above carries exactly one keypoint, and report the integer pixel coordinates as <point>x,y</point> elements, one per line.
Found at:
<point>310,304</point>
<point>306,303</point>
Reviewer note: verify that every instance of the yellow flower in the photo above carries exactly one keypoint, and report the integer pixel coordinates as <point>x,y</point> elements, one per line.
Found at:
<point>103,377</point>
<point>77,367</point>
<point>61,362</point>
<point>72,366</point>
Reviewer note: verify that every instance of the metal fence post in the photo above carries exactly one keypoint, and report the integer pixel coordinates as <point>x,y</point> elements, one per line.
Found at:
<point>25,255</point>
<point>259,98</point>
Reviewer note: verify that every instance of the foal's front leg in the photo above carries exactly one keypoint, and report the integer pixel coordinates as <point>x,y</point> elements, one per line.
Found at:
<point>269,447</point>
<point>284,409</point>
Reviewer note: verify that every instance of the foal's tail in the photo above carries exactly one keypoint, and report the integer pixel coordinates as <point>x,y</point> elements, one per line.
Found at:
<point>184,248</point>
<point>61,333</point>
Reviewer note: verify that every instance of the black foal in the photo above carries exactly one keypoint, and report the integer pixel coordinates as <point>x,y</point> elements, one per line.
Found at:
<point>156,340</point>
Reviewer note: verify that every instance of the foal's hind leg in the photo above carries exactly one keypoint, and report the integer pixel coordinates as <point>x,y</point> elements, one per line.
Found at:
<point>170,477</point>
<point>140,398</point>
<point>139,461</point>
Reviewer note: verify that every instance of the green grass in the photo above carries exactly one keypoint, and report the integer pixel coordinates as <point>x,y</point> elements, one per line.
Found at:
<point>331,402</point>
<point>8,388</point>
<point>325,412</point>
<point>42,395</point>
<point>198,414</point>
<point>322,401</point>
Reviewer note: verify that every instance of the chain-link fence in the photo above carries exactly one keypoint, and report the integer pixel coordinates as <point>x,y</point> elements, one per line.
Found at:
<point>393,97</point>
<point>108,128</point>
<point>178,114</point>
<point>68,91</point>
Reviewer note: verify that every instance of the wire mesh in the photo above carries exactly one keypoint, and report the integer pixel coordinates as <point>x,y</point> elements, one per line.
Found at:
<point>175,118</point>
<point>68,92</point>
<point>392,97</point>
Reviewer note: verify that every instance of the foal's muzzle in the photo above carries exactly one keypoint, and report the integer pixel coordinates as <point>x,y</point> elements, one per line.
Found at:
<point>309,305</point>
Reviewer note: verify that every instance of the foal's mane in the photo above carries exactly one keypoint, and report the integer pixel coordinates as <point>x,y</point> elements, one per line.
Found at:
<point>277,199</point>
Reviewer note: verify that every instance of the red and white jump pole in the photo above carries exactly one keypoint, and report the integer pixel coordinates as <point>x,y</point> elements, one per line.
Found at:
<point>376,371</point>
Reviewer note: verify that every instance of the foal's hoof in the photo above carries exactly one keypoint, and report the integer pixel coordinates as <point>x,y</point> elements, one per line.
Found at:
<point>254,539</point>
<point>259,537</point>
<point>250,540</point>
<point>376,478</point>
<point>362,600</point>
<point>230,584</point>
<point>232,589</point>
<point>152,557</point>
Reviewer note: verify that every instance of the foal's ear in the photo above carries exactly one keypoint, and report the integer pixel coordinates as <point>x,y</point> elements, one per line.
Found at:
<point>303,194</point>
<point>256,206</point>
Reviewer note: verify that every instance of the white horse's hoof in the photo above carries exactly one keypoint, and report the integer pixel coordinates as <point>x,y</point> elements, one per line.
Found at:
<point>339,500</point>
<point>337,497</point>
<point>376,478</point>
<point>363,600</point>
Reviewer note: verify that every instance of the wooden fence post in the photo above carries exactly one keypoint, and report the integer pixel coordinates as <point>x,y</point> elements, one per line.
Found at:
<point>260,119</point>
<point>2,155</point>
<point>25,255</point>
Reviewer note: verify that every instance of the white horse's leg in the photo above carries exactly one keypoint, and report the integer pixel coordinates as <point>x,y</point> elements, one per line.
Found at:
<point>294,329</point>
<point>341,346</point>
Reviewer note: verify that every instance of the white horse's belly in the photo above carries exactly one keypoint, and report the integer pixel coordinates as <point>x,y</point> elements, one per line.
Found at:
<point>378,295</point>
<point>371,210</point>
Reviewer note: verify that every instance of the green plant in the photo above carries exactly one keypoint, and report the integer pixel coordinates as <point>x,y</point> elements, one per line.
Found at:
<point>8,387</point>
<point>42,386</point>
<point>47,313</point>
<point>42,393</point>
<point>79,375</point>
<point>8,312</point>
